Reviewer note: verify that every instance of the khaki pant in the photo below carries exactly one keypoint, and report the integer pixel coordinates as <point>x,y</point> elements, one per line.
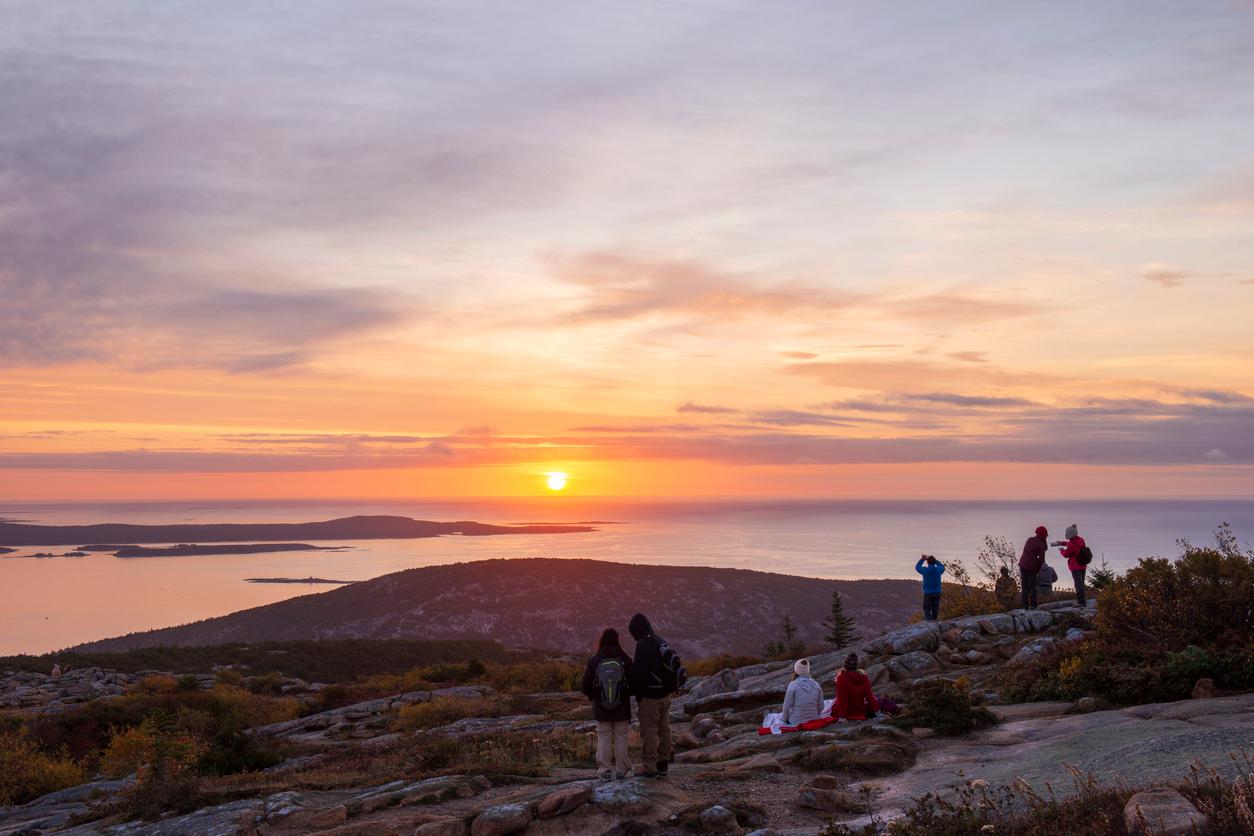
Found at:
<point>612,746</point>
<point>655,732</point>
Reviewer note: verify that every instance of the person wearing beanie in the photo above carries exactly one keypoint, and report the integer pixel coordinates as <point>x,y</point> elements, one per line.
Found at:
<point>803,701</point>
<point>931,569</point>
<point>854,700</point>
<point>1030,564</point>
<point>1071,549</point>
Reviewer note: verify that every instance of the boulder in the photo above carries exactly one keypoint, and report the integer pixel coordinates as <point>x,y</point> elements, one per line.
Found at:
<point>1087,705</point>
<point>701,726</point>
<point>443,827</point>
<point>686,740</point>
<point>1031,621</point>
<point>1034,649</point>
<point>750,743</point>
<point>922,636</point>
<point>999,624</point>
<point>500,820</point>
<point>1074,634</point>
<point>829,800</point>
<point>910,666</point>
<point>720,683</point>
<point>1204,689</point>
<point>826,782</point>
<point>563,801</point>
<point>748,698</point>
<point>718,819</point>
<point>1162,812</point>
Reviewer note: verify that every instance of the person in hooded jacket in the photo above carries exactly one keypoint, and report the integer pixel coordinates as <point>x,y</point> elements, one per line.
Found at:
<point>653,699</point>
<point>613,719</point>
<point>854,699</point>
<point>1030,564</point>
<point>803,701</point>
<point>1071,548</point>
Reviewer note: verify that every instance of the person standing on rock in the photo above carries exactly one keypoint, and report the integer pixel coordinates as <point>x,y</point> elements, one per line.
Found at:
<point>931,569</point>
<point>607,682</point>
<point>803,701</point>
<point>1030,564</point>
<point>1006,590</point>
<point>1078,557</point>
<point>653,680</point>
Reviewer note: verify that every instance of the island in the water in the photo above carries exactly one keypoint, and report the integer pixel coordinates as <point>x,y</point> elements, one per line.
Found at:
<point>6,551</point>
<point>296,580</point>
<point>195,550</point>
<point>346,528</point>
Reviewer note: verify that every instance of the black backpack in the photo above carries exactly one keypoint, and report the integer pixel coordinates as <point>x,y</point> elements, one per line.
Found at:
<point>674,674</point>
<point>611,675</point>
<point>1085,557</point>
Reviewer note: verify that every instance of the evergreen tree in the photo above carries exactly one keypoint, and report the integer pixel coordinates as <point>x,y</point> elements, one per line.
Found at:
<point>840,629</point>
<point>788,648</point>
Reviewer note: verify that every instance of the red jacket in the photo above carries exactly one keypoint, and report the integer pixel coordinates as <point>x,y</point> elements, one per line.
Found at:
<point>1071,551</point>
<point>1034,550</point>
<point>854,700</point>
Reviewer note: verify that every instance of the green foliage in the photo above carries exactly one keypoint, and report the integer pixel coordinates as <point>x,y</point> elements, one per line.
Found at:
<point>943,706</point>
<point>790,647</point>
<point>167,757</point>
<point>1160,628</point>
<point>840,627</point>
<point>28,771</point>
<point>328,660</point>
<point>1101,576</point>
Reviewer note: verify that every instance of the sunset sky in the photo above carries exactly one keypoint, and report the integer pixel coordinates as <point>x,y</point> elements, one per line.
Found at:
<point>373,249</point>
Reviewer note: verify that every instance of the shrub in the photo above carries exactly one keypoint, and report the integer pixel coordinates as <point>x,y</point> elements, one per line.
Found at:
<point>532,677</point>
<point>444,710</point>
<point>166,771</point>
<point>156,683</point>
<point>27,772</point>
<point>945,707</point>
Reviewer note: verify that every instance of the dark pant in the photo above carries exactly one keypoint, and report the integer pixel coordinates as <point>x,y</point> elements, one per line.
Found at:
<point>1028,585</point>
<point>1077,575</point>
<point>931,606</point>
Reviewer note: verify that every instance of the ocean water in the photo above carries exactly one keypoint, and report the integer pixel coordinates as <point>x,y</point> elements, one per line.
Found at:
<point>51,603</point>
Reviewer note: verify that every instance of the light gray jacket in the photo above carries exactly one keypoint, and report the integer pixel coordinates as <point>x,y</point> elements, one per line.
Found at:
<point>803,701</point>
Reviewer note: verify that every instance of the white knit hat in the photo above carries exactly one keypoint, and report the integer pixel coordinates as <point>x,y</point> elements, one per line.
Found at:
<point>802,667</point>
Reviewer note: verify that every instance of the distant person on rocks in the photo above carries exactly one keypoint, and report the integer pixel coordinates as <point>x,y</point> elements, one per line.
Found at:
<point>1045,580</point>
<point>607,682</point>
<point>656,674</point>
<point>1030,564</point>
<point>1006,590</point>
<point>56,672</point>
<point>1079,556</point>
<point>931,569</point>
<point>803,700</point>
<point>854,700</point>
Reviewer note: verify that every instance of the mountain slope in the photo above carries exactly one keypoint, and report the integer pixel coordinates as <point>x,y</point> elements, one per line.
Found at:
<point>556,604</point>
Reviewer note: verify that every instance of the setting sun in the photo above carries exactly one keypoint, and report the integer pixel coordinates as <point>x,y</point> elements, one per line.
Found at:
<point>556,480</point>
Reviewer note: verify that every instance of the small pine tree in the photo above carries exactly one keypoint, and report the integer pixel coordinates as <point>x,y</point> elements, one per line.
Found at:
<point>840,628</point>
<point>789,647</point>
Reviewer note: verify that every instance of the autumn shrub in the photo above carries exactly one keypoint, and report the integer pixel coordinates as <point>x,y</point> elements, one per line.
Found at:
<point>531,677</point>
<point>166,763</point>
<point>943,706</point>
<point>157,683</point>
<point>27,771</point>
<point>444,710</point>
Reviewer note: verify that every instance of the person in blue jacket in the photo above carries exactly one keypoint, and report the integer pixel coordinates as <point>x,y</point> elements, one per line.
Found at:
<point>931,569</point>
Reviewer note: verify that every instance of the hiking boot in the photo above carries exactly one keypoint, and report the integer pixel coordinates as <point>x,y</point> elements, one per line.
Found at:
<point>663,767</point>
<point>606,775</point>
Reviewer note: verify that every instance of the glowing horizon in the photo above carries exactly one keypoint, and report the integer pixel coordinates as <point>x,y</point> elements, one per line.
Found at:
<point>671,250</point>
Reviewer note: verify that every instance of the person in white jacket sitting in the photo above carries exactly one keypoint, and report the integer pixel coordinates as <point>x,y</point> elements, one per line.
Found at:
<point>803,701</point>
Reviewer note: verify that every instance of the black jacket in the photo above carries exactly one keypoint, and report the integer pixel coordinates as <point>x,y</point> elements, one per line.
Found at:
<point>646,670</point>
<point>592,691</point>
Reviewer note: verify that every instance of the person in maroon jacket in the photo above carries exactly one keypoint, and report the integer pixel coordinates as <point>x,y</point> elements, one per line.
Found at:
<point>1030,563</point>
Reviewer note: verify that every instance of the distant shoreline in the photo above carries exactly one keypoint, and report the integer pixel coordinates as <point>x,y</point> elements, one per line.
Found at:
<point>346,528</point>
<point>296,580</point>
<point>194,550</point>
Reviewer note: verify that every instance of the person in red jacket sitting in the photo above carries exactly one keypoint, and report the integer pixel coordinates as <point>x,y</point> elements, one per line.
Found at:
<point>854,700</point>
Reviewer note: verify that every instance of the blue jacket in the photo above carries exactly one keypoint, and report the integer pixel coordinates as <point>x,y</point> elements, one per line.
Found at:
<point>931,576</point>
